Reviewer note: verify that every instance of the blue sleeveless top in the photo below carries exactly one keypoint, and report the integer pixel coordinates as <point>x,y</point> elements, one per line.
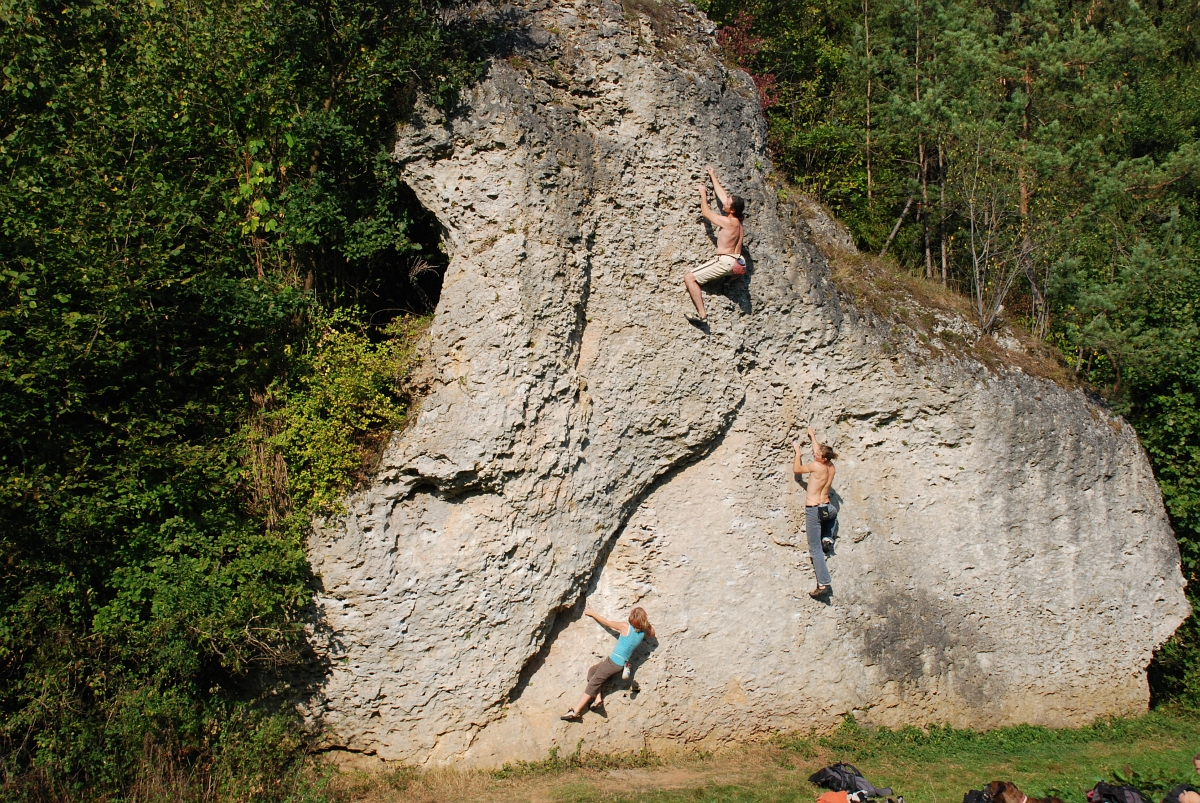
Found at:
<point>625,646</point>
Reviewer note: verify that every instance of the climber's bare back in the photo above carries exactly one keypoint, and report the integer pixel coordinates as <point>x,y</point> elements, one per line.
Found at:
<point>821,470</point>
<point>819,482</point>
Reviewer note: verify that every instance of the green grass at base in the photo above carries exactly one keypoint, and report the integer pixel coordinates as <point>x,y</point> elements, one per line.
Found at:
<point>939,764</point>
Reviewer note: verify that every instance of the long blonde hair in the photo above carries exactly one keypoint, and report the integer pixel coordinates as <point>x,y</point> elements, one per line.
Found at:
<point>637,618</point>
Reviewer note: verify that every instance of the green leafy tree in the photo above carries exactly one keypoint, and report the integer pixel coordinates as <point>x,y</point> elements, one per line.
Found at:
<point>188,183</point>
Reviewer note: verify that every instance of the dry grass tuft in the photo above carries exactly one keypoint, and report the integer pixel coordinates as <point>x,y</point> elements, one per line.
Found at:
<point>925,316</point>
<point>913,314</point>
<point>664,17</point>
<point>406,785</point>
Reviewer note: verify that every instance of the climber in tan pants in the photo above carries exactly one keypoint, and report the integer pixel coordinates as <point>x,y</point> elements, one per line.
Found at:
<point>729,259</point>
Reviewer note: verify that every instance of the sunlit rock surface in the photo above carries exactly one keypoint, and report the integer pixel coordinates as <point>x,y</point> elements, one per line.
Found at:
<point>1004,555</point>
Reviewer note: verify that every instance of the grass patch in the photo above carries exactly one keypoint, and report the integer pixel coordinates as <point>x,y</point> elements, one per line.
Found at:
<point>555,763</point>
<point>926,765</point>
<point>664,18</point>
<point>931,765</point>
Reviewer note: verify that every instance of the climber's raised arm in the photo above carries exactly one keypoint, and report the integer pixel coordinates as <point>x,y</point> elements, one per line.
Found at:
<point>816,445</point>
<point>620,627</point>
<point>722,196</point>
<point>720,221</point>
<point>798,464</point>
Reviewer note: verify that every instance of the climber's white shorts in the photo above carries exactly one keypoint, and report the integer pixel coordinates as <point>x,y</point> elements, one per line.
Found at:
<point>718,267</point>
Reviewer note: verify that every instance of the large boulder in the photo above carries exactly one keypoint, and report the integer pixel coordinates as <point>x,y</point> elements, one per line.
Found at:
<point>1004,555</point>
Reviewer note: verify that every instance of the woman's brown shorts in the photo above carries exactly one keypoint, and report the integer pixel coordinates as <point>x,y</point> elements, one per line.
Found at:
<point>598,674</point>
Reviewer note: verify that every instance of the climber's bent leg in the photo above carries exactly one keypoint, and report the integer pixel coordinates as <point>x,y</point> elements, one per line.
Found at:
<point>693,288</point>
<point>582,704</point>
<point>813,528</point>
<point>718,267</point>
<point>597,674</point>
<point>829,528</point>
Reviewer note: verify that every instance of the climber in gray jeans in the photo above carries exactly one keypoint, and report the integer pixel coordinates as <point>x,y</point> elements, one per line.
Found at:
<point>820,515</point>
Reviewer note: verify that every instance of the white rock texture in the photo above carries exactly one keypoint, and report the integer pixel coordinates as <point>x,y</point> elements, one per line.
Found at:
<point>1004,555</point>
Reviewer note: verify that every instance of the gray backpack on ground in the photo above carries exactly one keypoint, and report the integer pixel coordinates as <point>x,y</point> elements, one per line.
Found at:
<point>846,778</point>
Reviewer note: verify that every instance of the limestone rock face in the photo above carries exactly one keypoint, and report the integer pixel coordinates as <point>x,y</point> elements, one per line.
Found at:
<point>1003,556</point>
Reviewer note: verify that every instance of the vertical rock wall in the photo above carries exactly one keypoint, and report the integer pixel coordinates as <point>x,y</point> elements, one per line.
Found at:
<point>998,533</point>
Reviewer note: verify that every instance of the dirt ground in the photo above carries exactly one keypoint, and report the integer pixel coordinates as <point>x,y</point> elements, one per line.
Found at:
<point>734,767</point>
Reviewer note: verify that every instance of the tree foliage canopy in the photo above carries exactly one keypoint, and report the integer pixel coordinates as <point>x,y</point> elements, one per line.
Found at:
<point>190,186</point>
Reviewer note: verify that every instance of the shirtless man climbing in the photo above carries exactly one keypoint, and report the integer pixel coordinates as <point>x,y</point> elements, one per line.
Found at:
<point>820,515</point>
<point>729,258</point>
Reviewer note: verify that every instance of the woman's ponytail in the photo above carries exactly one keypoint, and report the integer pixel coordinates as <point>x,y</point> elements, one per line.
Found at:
<point>637,618</point>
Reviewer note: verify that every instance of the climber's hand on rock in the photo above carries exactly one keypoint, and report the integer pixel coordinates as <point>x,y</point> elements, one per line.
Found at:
<point>700,188</point>
<point>588,610</point>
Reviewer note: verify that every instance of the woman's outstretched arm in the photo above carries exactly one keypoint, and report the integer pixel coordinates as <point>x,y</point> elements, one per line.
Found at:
<point>620,627</point>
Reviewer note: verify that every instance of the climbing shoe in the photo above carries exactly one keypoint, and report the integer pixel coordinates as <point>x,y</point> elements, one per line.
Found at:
<point>571,716</point>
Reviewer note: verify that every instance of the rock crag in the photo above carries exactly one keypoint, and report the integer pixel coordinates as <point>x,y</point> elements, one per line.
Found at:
<point>1004,555</point>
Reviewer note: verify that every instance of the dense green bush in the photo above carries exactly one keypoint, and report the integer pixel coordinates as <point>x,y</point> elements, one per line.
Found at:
<point>190,186</point>
<point>317,432</point>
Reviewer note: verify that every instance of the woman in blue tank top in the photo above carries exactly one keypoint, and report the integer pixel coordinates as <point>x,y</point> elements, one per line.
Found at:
<point>632,633</point>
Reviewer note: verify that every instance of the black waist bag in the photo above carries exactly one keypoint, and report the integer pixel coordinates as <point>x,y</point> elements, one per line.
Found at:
<point>1107,793</point>
<point>845,778</point>
<point>1173,795</point>
<point>828,512</point>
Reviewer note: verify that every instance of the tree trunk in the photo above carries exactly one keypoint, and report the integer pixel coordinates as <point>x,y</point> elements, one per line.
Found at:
<point>867,41</point>
<point>1025,255</point>
<point>924,161</point>
<point>896,228</point>
<point>942,211</point>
